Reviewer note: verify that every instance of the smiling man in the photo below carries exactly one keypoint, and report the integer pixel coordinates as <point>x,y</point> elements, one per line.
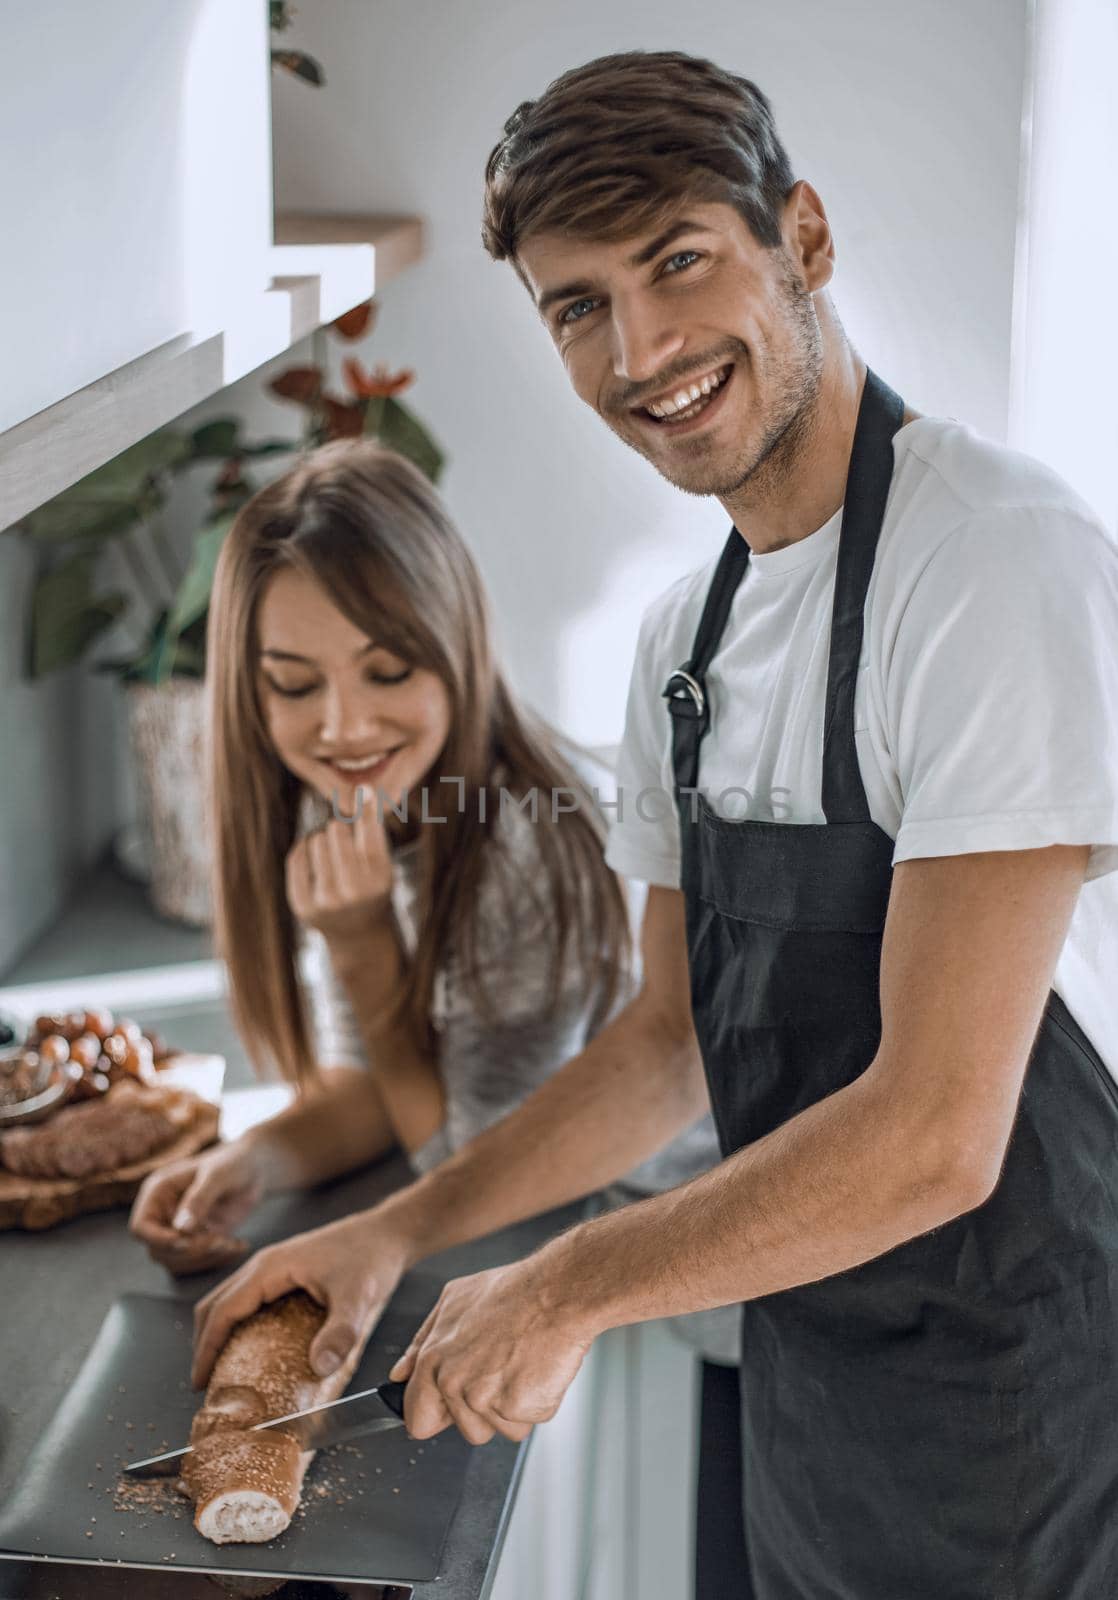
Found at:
<point>890,963</point>
<point>711,419</point>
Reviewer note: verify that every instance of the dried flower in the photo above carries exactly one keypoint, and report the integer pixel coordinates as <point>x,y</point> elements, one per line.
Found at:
<point>356,323</point>
<point>378,383</point>
<point>343,420</point>
<point>301,384</point>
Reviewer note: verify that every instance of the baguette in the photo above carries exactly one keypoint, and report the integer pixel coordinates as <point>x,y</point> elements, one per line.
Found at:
<point>246,1486</point>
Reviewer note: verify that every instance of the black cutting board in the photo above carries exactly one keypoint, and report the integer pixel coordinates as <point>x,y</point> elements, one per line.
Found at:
<point>373,1510</point>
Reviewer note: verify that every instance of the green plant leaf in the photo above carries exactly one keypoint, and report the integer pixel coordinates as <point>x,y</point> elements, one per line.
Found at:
<point>220,439</point>
<point>126,472</point>
<point>189,660</point>
<point>216,440</point>
<point>73,516</point>
<point>193,597</point>
<point>66,616</point>
<point>143,667</point>
<point>119,666</point>
<point>400,429</point>
<point>270,447</point>
<point>106,502</point>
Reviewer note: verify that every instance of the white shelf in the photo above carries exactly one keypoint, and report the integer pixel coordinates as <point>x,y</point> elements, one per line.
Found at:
<point>321,266</point>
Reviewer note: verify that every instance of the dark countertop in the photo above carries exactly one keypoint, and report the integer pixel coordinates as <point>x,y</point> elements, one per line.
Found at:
<point>56,1286</point>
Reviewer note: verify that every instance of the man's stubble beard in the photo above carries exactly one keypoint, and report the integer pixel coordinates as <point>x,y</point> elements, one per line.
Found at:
<point>789,418</point>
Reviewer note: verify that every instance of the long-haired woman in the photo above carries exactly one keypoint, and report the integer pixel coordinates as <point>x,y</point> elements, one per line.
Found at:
<point>410,893</point>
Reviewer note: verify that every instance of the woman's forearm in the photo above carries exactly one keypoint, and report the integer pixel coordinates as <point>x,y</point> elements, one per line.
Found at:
<point>332,1129</point>
<point>407,1078</point>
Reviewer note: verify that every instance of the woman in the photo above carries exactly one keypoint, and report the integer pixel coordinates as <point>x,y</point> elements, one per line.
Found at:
<point>367,758</point>
<point>371,794</point>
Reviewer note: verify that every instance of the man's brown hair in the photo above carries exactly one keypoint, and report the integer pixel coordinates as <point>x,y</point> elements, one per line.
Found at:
<point>611,148</point>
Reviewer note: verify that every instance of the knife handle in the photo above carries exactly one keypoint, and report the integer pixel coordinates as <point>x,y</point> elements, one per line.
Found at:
<point>393,1396</point>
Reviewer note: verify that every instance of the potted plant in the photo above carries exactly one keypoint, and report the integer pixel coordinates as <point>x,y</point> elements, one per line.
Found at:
<point>117,514</point>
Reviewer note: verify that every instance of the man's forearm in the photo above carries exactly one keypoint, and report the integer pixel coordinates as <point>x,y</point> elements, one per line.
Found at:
<point>970,947</point>
<point>633,1088</point>
<point>844,1181</point>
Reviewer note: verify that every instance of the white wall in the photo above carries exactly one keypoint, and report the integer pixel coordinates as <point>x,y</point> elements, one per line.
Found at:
<point>135,204</point>
<point>905,115</point>
<point>1066,337</point>
<point>135,183</point>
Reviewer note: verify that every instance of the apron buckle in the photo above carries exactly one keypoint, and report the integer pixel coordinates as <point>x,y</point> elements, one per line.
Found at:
<point>681,687</point>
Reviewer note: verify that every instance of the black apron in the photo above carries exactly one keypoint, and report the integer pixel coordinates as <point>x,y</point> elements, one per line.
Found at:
<point>940,1423</point>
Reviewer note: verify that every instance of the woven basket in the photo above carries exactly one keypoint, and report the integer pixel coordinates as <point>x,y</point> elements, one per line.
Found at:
<point>166,732</point>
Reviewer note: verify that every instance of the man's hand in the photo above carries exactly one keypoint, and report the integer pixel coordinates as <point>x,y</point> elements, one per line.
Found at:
<point>494,1356</point>
<point>350,1267</point>
<point>341,876</point>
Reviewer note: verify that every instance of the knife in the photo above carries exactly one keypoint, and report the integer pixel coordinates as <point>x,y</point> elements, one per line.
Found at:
<point>368,1411</point>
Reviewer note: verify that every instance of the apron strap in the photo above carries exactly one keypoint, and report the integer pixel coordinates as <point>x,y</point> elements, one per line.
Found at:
<point>867,488</point>
<point>869,475</point>
<point>686,691</point>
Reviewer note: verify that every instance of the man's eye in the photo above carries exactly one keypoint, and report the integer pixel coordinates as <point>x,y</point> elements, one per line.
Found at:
<point>569,316</point>
<point>581,308</point>
<point>694,254</point>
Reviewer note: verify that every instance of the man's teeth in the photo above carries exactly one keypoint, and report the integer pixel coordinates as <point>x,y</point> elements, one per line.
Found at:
<point>685,399</point>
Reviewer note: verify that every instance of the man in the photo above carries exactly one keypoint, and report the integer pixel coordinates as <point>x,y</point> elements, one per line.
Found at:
<point>892,952</point>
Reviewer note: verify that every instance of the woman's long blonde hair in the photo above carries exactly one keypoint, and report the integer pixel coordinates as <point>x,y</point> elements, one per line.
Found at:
<point>368,527</point>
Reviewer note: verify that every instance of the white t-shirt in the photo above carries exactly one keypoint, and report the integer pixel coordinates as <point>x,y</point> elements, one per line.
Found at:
<point>986,702</point>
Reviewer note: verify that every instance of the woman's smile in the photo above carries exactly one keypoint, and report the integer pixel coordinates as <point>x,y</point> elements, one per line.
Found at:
<point>368,770</point>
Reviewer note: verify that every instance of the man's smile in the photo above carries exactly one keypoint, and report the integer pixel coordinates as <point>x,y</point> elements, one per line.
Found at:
<point>684,407</point>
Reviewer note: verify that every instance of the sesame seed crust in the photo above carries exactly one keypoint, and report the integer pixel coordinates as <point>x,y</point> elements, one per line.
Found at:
<point>246,1486</point>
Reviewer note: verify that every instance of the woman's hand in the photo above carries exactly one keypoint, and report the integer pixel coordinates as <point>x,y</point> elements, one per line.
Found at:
<point>340,877</point>
<point>350,1267</point>
<point>187,1210</point>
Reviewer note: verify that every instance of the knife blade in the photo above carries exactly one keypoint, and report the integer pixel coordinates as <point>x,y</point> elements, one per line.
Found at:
<point>351,1417</point>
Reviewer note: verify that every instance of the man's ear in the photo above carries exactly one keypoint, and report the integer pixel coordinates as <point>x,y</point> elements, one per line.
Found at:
<point>807,236</point>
